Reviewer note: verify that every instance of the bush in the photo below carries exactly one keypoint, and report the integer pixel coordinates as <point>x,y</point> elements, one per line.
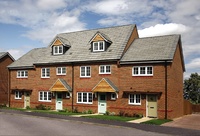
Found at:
<point>107,113</point>
<point>28,107</point>
<point>121,113</point>
<point>41,107</point>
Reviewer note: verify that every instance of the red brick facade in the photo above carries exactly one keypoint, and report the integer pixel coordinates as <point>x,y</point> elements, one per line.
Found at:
<point>4,62</point>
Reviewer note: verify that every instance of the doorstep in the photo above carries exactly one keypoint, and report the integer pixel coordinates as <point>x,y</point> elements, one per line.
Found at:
<point>140,120</point>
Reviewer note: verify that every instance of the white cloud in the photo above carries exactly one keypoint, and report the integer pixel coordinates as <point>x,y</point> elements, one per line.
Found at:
<point>16,53</point>
<point>194,64</point>
<point>163,29</point>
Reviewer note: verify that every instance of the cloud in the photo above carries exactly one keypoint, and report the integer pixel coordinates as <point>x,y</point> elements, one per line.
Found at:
<point>194,64</point>
<point>16,53</point>
<point>163,29</point>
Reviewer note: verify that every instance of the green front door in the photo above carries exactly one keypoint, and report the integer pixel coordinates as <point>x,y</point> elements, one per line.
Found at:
<point>152,105</point>
<point>59,105</point>
<point>102,103</point>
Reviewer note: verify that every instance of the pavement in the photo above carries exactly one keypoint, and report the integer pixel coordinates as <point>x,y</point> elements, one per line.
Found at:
<point>140,120</point>
<point>146,127</point>
<point>191,121</point>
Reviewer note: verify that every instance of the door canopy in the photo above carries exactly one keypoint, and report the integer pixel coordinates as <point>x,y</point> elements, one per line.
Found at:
<point>60,86</point>
<point>105,85</point>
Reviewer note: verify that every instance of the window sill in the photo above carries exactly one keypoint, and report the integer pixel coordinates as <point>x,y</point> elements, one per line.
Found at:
<point>137,104</point>
<point>18,98</point>
<point>44,101</point>
<point>83,103</point>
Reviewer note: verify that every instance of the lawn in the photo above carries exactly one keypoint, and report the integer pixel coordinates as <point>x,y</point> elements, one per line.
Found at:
<point>157,121</point>
<point>110,117</point>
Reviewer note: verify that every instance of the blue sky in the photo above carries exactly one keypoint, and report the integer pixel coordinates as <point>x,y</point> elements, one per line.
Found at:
<point>28,24</point>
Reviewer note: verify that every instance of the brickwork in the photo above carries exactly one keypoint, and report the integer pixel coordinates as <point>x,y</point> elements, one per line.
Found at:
<point>4,62</point>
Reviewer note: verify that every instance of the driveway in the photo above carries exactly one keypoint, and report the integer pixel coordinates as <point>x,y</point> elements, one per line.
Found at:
<point>191,121</point>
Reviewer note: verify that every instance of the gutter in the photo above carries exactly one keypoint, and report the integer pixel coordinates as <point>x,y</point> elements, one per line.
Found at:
<point>166,89</point>
<point>72,87</point>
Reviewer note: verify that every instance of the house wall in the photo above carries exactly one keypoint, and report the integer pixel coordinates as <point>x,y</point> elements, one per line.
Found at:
<point>4,62</point>
<point>175,86</point>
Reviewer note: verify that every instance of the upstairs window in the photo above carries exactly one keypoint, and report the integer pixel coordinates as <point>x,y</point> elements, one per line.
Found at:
<point>22,74</point>
<point>142,71</point>
<point>57,50</point>
<point>45,72</point>
<point>61,71</point>
<point>104,69</point>
<point>99,46</point>
<point>85,71</point>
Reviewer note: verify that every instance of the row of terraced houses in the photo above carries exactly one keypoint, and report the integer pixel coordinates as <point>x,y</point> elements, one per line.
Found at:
<point>108,69</point>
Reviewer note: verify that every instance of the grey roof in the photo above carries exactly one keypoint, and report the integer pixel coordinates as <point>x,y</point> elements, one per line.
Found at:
<point>3,54</point>
<point>80,48</point>
<point>111,84</point>
<point>65,84</point>
<point>158,48</point>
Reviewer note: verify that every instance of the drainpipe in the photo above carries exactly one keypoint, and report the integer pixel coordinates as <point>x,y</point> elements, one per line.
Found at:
<point>8,88</point>
<point>166,89</point>
<point>72,87</point>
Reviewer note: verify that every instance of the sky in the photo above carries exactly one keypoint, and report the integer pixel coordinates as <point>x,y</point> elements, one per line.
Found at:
<point>28,24</point>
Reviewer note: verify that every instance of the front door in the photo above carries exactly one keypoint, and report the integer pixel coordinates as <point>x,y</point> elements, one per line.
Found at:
<point>59,105</point>
<point>26,99</point>
<point>102,103</point>
<point>152,105</point>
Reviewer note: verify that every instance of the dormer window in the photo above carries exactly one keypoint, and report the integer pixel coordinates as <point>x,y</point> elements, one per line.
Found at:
<point>57,50</point>
<point>99,46</point>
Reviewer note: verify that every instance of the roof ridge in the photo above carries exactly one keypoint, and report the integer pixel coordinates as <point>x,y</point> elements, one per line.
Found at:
<point>159,36</point>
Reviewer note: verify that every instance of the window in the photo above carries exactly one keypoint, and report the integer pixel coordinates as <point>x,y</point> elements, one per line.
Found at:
<point>84,97</point>
<point>85,71</point>
<point>18,95</point>
<point>104,69</point>
<point>57,50</point>
<point>67,95</point>
<point>135,99</point>
<point>143,71</point>
<point>99,46</point>
<point>45,96</point>
<point>61,71</point>
<point>22,74</point>
<point>45,72</point>
<point>113,96</point>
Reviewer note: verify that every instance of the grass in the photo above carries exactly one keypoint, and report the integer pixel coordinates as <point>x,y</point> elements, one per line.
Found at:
<point>157,121</point>
<point>44,111</point>
<point>110,117</point>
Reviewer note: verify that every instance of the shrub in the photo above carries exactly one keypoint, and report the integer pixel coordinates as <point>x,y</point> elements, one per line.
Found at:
<point>121,113</point>
<point>107,113</point>
<point>41,107</point>
<point>28,107</point>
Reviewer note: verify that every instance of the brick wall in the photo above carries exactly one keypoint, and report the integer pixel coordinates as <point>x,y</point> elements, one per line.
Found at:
<point>4,62</point>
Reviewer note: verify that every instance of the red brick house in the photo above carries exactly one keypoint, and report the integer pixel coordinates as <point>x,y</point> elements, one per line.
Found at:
<point>109,69</point>
<point>5,60</point>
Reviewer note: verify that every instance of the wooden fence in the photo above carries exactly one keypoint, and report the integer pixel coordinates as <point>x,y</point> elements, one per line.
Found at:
<point>190,108</point>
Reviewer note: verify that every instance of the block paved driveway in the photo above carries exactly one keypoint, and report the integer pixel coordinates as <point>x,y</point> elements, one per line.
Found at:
<point>191,121</point>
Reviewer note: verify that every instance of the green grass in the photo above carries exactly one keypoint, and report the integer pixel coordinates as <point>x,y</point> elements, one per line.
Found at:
<point>157,121</point>
<point>44,111</point>
<point>109,117</point>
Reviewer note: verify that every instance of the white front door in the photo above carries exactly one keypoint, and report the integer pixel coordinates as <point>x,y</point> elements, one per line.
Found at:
<point>26,99</point>
<point>102,103</point>
<point>59,105</point>
<point>152,105</point>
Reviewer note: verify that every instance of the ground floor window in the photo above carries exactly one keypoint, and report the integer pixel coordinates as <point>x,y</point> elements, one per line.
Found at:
<point>18,95</point>
<point>84,97</point>
<point>135,99</point>
<point>45,96</point>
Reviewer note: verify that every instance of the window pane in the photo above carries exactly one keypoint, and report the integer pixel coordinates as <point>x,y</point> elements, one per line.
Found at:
<point>26,73</point>
<point>88,71</point>
<point>45,95</point>
<point>131,98</point>
<point>84,97</point>
<point>135,69</point>
<point>79,97</point>
<point>149,70</point>
<point>41,96</point>
<point>59,70</point>
<point>82,71</point>
<point>64,70</point>
<point>55,49</point>
<point>90,97</point>
<point>100,45</point>
<point>137,98</point>
<point>142,70</point>
<point>60,49</point>
<point>47,72</point>
<point>95,46</point>
<point>49,96</point>
<point>102,69</point>
<point>107,69</point>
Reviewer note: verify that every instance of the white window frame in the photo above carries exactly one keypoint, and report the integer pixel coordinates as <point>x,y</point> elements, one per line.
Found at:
<point>18,95</point>
<point>45,73</point>
<point>48,94</point>
<point>87,97</point>
<point>139,71</point>
<point>22,74</point>
<point>134,102</point>
<point>104,69</point>
<point>85,71</point>
<point>61,70</point>
<point>113,94</point>
<point>68,95</point>
<point>98,46</point>
<point>58,49</point>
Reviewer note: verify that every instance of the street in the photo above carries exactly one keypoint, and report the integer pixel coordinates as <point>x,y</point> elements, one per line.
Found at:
<point>16,124</point>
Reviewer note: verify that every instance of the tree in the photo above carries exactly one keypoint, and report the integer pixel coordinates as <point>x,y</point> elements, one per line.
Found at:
<point>192,88</point>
